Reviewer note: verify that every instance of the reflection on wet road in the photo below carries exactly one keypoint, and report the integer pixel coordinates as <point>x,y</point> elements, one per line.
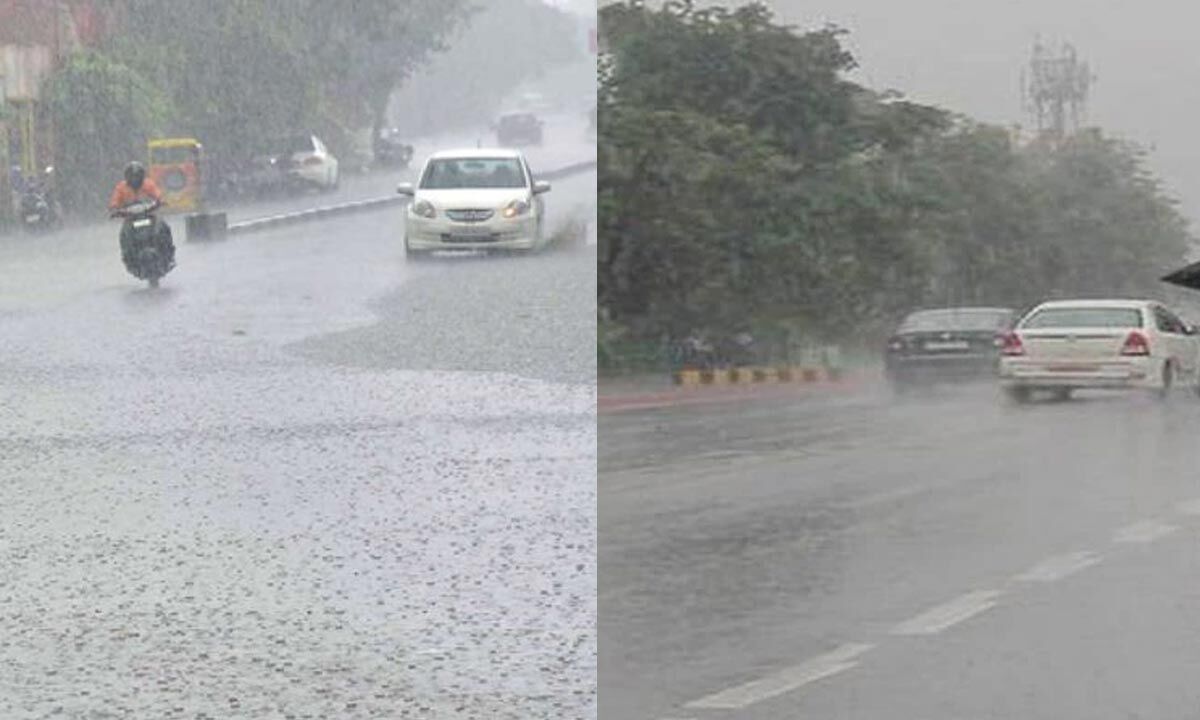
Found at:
<point>846,555</point>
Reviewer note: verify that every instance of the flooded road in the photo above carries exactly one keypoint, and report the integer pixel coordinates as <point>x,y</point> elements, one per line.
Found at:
<point>298,480</point>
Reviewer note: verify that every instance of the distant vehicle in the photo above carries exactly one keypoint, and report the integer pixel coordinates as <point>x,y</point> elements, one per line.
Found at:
<point>174,164</point>
<point>390,150</point>
<point>475,200</point>
<point>1116,344</point>
<point>946,344</point>
<point>39,211</point>
<point>519,129</point>
<point>307,162</point>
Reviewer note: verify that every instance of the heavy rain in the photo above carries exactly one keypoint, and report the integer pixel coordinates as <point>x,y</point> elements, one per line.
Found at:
<point>897,406</point>
<point>285,433</point>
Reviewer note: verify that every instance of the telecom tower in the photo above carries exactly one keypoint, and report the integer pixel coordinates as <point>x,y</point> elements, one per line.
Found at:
<point>1055,91</point>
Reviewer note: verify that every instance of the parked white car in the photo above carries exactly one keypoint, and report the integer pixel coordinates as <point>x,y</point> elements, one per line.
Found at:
<point>1066,345</point>
<point>475,200</point>
<point>310,162</point>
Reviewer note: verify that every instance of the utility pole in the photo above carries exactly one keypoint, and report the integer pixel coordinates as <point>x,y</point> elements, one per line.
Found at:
<point>1055,89</point>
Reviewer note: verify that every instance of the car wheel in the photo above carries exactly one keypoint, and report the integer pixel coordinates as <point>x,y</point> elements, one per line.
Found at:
<point>1168,381</point>
<point>540,242</point>
<point>1063,394</point>
<point>1018,394</point>
<point>411,255</point>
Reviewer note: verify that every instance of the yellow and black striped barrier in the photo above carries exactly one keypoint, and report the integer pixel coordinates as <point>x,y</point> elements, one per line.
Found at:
<point>756,376</point>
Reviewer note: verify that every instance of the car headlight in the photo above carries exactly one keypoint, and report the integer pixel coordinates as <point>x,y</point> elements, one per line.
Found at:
<point>424,208</point>
<point>516,208</point>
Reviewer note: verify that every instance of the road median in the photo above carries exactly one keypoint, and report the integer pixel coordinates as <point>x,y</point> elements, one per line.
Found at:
<point>269,222</point>
<point>711,387</point>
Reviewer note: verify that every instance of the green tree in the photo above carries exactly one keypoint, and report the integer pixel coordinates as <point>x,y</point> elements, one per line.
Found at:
<point>745,181</point>
<point>103,113</point>
<point>365,50</point>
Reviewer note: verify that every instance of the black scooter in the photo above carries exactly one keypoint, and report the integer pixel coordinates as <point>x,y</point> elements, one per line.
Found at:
<point>142,247</point>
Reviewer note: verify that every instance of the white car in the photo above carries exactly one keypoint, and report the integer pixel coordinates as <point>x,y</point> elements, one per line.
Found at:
<point>475,200</point>
<point>311,163</point>
<point>1120,344</point>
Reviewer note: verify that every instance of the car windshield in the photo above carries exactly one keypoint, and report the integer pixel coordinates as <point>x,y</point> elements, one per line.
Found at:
<point>964,319</point>
<point>1081,317</point>
<point>516,121</point>
<point>467,173</point>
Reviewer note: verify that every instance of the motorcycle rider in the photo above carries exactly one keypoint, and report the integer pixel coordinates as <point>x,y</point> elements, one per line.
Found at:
<point>134,188</point>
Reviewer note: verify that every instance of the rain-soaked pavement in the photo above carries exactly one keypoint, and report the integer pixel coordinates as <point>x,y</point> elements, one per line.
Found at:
<point>301,480</point>
<point>838,554</point>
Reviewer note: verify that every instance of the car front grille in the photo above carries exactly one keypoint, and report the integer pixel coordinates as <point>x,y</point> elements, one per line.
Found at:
<point>470,215</point>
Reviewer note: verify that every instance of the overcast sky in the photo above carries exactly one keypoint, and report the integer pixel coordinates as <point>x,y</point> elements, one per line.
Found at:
<point>967,55</point>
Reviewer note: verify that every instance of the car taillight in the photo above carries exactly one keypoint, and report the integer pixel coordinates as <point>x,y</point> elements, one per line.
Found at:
<point>1136,344</point>
<point>312,161</point>
<point>1011,345</point>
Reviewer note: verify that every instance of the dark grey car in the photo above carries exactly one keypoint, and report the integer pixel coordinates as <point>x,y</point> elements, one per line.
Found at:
<point>946,344</point>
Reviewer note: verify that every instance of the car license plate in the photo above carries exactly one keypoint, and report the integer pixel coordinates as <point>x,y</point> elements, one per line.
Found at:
<point>32,218</point>
<point>141,223</point>
<point>948,345</point>
<point>1063,367</point>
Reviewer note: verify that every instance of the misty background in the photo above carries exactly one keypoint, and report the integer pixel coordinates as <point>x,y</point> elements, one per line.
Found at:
<point>968,55</point>
<point>509,49</point>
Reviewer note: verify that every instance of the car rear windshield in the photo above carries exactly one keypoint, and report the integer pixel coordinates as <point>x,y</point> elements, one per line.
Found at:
<point>463,173</point>
<point>1084,318</point>
<point>935,320</point>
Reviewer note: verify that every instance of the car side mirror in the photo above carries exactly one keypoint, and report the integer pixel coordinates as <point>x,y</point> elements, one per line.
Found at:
<point>405,189</point>
<point>541,187</point>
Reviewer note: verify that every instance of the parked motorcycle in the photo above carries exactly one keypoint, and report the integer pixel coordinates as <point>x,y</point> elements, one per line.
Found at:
<point>142,246</point>
<point>390,152</point>
<point>38,210</point>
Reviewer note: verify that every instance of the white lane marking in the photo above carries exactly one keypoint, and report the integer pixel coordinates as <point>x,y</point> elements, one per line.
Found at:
<point>1059,567</point>
<point>948,614</point>
<point>1189,507</point>
<point>784,681</point>
<point>1143,532</point>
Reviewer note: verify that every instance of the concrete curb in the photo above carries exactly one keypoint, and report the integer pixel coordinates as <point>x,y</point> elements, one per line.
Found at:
<point>568,171</point>
<point>685,396</point>
<point>320,213</point>
<point>756,375</point>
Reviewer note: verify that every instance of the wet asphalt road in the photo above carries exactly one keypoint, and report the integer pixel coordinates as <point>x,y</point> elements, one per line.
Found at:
<point>948,557</point>
<point>301,480</point>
